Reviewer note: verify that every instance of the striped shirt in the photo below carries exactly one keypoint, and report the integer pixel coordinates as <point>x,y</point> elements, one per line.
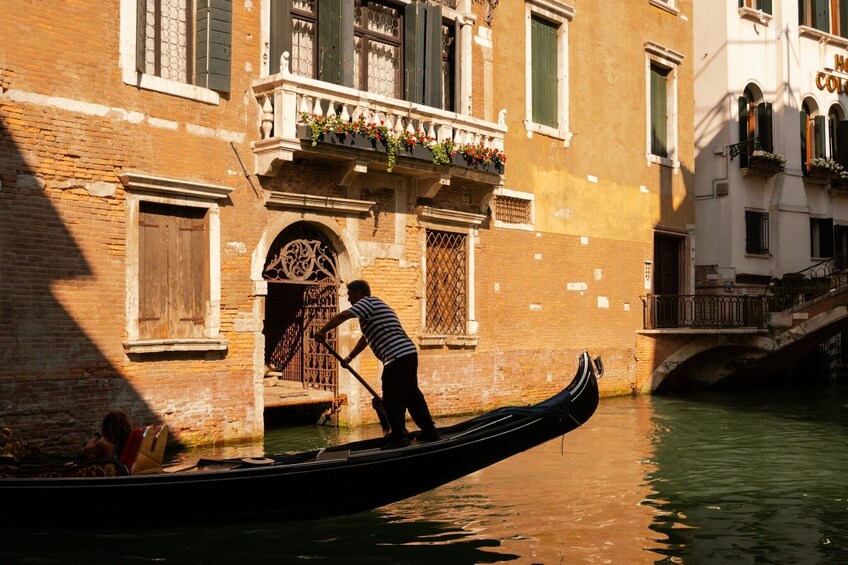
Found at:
<point>382,330</point>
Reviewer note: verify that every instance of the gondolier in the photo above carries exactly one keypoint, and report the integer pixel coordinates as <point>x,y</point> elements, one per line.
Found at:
<point>382,331</point>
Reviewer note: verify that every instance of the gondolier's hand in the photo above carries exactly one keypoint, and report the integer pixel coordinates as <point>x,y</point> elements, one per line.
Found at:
<point>320,337</point>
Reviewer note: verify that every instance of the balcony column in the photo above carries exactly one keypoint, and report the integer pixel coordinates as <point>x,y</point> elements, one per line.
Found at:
<point>466,39</point>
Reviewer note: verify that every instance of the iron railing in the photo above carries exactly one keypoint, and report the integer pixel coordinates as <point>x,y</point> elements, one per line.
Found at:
<point>745,311</point>
<point>795,289</point>
<point>703,311</point>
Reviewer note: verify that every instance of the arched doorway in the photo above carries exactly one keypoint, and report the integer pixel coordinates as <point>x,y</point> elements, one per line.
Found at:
<point>301,272</point>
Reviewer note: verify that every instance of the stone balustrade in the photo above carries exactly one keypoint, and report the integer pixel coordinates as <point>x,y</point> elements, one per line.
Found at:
<point>285,98</point>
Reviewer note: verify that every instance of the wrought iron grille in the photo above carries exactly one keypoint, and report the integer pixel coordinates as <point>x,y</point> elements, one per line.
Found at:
<point>446,282</point>
<point>302,297</point>
<point>511,210</point>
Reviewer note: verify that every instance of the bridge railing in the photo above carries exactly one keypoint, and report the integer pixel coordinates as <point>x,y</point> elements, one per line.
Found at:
<point>703,311</point>
<point>794,289</point>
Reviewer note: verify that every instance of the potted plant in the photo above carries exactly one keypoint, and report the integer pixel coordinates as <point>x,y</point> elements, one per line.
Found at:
<point>825,169</point>
<point>766,162</point>
<point>415,144</point>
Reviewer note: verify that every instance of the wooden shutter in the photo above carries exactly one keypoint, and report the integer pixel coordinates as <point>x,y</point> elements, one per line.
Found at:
<point>820,15</point>
<point>804,132</point>
<point>433,57</point>
<point>843,18</point>
<point>743,131</point>
<point>330,34</point>
<point>281,33</point>
<point>141,36</point>
<point>213,46</point>
<point>764,127</point>
<point>821,125</point>
<point>189,273</point>
<point>544,77</point>
<point>659,111</point>
<point>765,6</point>
<point>152,272</point>
<point>414,28</point>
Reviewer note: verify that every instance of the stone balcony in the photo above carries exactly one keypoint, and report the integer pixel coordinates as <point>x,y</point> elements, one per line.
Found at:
<point>286,98</point>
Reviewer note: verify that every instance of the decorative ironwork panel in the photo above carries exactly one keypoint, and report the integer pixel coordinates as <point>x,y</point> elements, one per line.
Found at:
<point>320,369</point>
<point>512,210</point>
<point>446,282</point>
<point>302,260</point>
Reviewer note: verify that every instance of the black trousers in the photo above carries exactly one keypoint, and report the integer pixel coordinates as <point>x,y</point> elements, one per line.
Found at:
<point>401,393</point>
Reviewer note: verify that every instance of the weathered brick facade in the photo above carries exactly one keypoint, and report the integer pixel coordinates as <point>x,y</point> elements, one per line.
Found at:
<point>73,133</point>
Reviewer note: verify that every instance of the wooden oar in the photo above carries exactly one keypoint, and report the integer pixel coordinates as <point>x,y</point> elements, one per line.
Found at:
<point>376,401</point>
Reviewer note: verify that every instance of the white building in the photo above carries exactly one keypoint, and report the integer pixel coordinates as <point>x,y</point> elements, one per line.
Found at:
<point>771,83</point>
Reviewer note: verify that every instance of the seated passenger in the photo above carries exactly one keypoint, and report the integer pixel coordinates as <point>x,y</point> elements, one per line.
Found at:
<point>114,431</point>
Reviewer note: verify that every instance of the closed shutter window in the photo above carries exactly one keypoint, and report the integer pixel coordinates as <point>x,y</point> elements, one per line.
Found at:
<point>173,271</point>
<point>544,71</point>
<point>659,110</point>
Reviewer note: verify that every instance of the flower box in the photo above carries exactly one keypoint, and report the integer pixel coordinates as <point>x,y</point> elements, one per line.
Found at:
<point>822,174</point>
<point>462,160</point>
<point>358,141</point>
<point>764,167</point>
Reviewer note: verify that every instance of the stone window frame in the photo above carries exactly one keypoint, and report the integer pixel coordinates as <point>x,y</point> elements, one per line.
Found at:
<point>142,187</point>
<point>129,74</point>
<point>458,222</point>
<point>561,14</point>
<point>529,196</point>
<point>656,54</point>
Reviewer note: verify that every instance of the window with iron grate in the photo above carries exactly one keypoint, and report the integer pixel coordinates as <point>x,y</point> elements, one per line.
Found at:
<point>513,210</point>
<point>446,264</point>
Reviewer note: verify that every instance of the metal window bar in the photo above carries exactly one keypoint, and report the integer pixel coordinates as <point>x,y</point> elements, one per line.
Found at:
<point>511,210</point>
<point>446,282</point>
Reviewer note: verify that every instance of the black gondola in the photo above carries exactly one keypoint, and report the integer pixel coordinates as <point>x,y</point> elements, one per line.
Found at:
<point>337,480</point>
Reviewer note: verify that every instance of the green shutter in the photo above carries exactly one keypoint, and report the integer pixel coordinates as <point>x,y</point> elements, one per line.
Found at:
<point>140,35</point>
<point>414,28</point>
<point>821,12</point>
<point>214,44</point>
<point>765,6</point>
<point>803,141</point>
<point>281,33</point>
<point>764,127</point>
<point>433,57</point>
<point>843,19</point>
<point>743,131</point>
<point>544,82</point>
<point>335,41</point>
<point>821,125</point>
<point>659,111</point>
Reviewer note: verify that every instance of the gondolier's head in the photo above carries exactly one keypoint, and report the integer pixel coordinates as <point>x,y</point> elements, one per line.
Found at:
<point>357,290</point>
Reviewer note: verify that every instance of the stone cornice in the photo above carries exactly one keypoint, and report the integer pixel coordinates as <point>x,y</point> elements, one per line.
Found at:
<point>174,187</point>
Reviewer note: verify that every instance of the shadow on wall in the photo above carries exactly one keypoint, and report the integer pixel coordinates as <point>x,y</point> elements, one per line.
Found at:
<point>55,382</point>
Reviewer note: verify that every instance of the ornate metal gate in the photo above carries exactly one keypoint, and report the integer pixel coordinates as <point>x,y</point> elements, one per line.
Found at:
<point>302,296</point>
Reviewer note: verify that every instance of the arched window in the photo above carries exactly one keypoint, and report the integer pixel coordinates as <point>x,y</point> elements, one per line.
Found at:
<point>755,124</point>
<point>812,133</point>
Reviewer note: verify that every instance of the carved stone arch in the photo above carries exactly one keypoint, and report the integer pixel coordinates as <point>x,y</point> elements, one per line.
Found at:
<point>302,273</point>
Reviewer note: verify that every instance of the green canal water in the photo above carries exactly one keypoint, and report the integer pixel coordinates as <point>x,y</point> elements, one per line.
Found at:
<point>707,478</point>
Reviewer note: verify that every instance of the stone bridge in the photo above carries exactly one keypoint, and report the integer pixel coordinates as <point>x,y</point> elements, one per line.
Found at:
<point>699,358</point>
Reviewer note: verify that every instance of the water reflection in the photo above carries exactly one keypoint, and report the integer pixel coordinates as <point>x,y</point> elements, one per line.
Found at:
<point>752,476</point>
<point>723,477</point>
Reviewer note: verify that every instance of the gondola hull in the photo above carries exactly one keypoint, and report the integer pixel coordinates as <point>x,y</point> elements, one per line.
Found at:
<point>339,480</point>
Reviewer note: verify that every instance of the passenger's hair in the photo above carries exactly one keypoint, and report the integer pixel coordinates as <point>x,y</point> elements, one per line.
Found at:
<point>116,428</point>
<point>359,286</point>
